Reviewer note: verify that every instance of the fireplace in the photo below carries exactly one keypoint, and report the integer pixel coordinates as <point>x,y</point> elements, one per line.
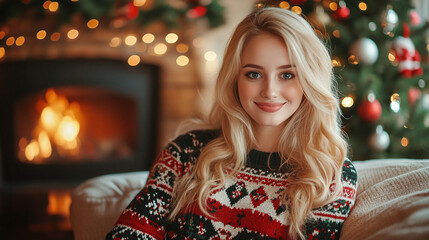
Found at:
<point>75,119</point>
<point>64,121</point>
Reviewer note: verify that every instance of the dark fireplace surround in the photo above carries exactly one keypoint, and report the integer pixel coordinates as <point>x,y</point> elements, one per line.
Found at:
<point>137,88</point>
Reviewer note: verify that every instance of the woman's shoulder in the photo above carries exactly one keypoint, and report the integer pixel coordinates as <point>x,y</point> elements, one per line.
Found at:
<point>195,139</point>
<point>349,173</point>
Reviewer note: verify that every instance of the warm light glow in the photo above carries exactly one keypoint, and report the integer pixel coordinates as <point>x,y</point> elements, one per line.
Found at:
<point>182,48</point>
<point>347,102</point>
<point>53,7</point>
<point>55,36</point>
<point>20,41</point>
<point>41,34</point>
<point>115,42</point>
<point>160,49</point>
<point>198,42</point>
<point>404,142</point>
<point>284,5</point>
<point>182,60</point>
<point>133,60</point>
<point>58,203</point>
<point>45,145</point>
<point>336,33</point>
<point>2,52</point>
<point>171,38</point>
<point>362,6</point>
<point>139,3</point>
<point>51,96</point>
<point>73,34</point>
<point>141,47</point>
<point>46,5</point>
<point>395,97</point>
<point>391,57</point>
<point>93,23</point>
<point>10,41</point>
<point>336,62</point>
<point>210,56</point>
<point>130,40</point>
<point>32,150</point>
<point>296,9</point>
<point>50,119</point>
<point>333,6</point>
<point>148,38</point>
<point>2,35</point>
<point>68,129</point>
<point>353,60</point>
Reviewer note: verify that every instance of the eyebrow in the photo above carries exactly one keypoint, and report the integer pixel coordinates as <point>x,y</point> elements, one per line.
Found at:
<point>259,67</point>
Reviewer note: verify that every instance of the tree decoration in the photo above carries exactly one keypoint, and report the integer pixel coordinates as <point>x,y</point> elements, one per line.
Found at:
<point>413,94</point>
<point>379,140</point>
<point>370,109</point>
<point>389,20</point>
<point>365,50</point>
<point>342,13</point>
<point>415,19</point>
<point>406,55</point>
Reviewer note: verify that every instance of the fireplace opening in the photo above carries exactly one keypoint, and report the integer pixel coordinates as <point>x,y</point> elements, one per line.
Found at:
<point>77,118</point>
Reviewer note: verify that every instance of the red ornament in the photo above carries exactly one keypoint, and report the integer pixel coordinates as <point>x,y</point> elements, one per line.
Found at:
<point>132,11</point>
<point>370,111</point>
<point>197,12</point>
<point>413,94</point>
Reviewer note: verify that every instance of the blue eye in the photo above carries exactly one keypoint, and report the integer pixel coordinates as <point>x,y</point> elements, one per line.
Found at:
<point>253,75</point>
<point>287,76</point>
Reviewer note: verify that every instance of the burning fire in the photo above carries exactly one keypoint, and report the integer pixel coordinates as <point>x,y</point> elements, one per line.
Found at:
<point>58,129</point>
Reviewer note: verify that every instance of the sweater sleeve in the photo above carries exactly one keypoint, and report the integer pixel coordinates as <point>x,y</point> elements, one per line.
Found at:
<point>330,218</point>
<point>145,217</point>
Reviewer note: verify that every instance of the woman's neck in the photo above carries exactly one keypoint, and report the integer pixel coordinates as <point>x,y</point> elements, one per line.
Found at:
<point>267,138</point>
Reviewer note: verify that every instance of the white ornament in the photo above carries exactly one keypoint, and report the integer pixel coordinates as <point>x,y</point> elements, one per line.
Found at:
<point>389,20</point>
<point>379,140</point>
<point>365,50</point>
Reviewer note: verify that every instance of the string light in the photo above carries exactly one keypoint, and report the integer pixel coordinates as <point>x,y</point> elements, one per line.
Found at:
<point>336,62</point>
<point>2,52</point>
<point>139,3</point>
<point>353,60</point>
<point>182,60</point>
<point>73,34</point>
<point>41,34</point>
<point>148,38</point>
<point>363,6</point>
<point>160,49</point>
<point>93,23</point>
<point>46,4</point>
<point>133,60</point>
<point>284,5</point>
<point>10,41</point>
<point>2,35</point>
<point>395,104</point>
<point>347,102</point>
<point>296,9</point>
<point>210,56</point>
<point>171,38</point>
<point>404,142</point>
<point>333,6</point>
<point>53,7</point>
<point>55,36</point>
<point>182,48</point>
<point>20,41</point>
<point>336,33</point>
<point>130,40</point>
<point>115,42</point>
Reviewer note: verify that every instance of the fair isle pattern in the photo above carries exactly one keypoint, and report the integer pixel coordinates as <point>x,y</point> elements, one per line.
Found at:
<point>247,207</point>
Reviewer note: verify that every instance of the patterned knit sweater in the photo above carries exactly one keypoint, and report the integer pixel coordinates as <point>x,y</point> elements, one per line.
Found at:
<point>247,207</point>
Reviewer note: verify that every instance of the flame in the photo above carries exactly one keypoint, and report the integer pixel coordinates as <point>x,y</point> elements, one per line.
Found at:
<point>59,203</point>
<point>58,126</point>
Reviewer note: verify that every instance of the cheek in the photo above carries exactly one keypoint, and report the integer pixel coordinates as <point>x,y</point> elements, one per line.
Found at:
<point>245,91</point>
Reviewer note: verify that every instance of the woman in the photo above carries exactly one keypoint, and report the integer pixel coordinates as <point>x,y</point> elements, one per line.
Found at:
<point>274,164</point>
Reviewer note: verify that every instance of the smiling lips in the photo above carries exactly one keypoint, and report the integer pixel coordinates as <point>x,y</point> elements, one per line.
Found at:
<point>270,107</point>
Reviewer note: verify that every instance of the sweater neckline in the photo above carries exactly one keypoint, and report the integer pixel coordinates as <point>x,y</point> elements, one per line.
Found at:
<point>270,161</point>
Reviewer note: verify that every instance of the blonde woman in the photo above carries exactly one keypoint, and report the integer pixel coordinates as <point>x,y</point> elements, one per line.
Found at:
<point>272,164</point>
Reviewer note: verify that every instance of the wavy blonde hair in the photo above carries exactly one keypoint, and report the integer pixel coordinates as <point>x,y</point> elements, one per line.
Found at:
<point>312,139</point>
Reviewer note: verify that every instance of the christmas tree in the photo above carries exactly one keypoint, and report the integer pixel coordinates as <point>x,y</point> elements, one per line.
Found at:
<point>380,58</point>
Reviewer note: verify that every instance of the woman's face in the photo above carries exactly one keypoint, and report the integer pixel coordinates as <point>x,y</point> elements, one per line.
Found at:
<point>268,88</point>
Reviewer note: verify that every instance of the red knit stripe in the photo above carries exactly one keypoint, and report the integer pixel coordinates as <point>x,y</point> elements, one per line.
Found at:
<point>163,187</point>
<point>328,215</point>
<point>262,180</point>
<point>132,220</point>
<point>249,219</point>
<point>168,160</point>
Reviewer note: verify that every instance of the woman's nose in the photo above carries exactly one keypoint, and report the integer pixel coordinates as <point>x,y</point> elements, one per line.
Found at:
<point>270,89</point>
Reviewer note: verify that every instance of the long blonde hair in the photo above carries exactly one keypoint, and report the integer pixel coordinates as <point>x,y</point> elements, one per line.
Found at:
<point>312,139</point>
